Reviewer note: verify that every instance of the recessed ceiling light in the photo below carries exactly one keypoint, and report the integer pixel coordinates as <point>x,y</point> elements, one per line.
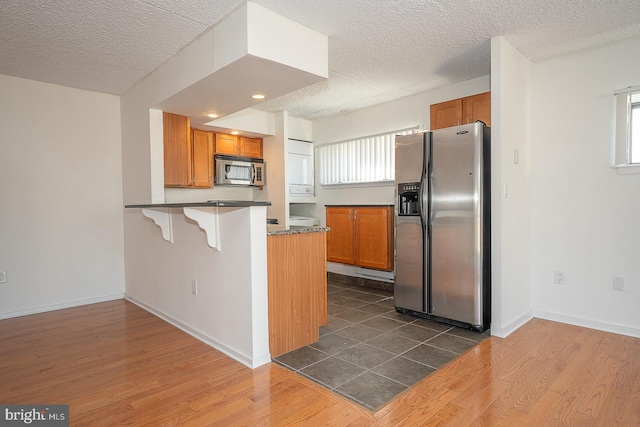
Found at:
<point>213,115</point>
<point>235,132</point>
<point>258,96</point>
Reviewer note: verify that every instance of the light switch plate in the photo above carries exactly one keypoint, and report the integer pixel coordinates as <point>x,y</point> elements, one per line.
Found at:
<point>3,277</point>
<point>618,283</point>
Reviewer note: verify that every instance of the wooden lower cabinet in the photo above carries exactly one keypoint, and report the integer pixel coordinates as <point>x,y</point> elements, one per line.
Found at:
<point>361,236</point>
<point>297,282</point>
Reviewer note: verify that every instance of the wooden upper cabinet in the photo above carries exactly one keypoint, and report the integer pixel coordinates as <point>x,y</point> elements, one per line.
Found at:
<point>227,144</point>
<point>238,146</point>
<point>251,147</point>
<point>477,107</point>
<point>177,150</point>
<point>361,236</point>
<point>461,111</point>
<point>446,114</point>
<point>202,147</point>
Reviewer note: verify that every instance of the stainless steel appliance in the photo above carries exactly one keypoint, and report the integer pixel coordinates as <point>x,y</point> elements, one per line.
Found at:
<point>231,170</point>
<point>442,225</point>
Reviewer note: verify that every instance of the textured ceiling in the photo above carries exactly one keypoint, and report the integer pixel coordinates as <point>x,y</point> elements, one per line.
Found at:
<point>378,50</point>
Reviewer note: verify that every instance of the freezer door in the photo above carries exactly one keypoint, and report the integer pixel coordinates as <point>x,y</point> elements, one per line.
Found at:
<point>455,226</point>
<point>409,255</point>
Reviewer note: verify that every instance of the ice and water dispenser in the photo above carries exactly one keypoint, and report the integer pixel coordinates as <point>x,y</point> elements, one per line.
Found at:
<point>408,198</point>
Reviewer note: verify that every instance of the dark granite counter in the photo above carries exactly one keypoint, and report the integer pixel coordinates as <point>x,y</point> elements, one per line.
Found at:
<point>275,231</point>
<point>207,204</point>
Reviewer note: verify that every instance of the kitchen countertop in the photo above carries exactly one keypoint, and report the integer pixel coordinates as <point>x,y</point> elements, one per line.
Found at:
<point>275,230</point>
<point>356,205</point>
<point>207,204</point>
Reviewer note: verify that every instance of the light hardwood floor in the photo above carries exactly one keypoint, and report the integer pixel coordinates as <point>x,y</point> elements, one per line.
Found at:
<point>116,364</point>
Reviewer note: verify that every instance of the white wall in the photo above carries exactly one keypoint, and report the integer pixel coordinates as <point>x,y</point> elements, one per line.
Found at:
<point>510,187</point>
<point>61,228</point>
<point>230,309</point>
<point>585,217</point>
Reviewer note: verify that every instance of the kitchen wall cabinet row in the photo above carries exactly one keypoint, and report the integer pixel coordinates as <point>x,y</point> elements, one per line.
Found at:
<point>188,153</point>
<point>461,111</point>
<point>234,145</point>
<point>360,236</point>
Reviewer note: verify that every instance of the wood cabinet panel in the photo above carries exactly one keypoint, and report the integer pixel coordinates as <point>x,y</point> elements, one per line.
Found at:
<point>177,150</point>
<point>361,236</point>
<point>461,111</point>
<point>202,146</point>
<point>297,282</point>
<point>340,242</point>
<point>226,144</point>
<point>251,147</point>
<point>446,114</point>
<point>373,238</point>
<point>478,107</point>
<point>233,145</point>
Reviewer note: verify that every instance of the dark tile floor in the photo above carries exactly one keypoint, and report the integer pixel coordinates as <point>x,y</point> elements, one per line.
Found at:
<point>368,352</point>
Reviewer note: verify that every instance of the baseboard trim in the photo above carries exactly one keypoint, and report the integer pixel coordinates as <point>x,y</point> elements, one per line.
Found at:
<point>511,326</point>
<point>60,306</point>
<point>588,323</point>
<point>360,281</point>
<point>212,342</point>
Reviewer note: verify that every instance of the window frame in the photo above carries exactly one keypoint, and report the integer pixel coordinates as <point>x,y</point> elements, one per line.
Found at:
<point>627,100</point>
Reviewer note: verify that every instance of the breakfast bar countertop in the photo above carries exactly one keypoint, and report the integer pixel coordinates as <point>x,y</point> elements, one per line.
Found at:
<point>207,204</point>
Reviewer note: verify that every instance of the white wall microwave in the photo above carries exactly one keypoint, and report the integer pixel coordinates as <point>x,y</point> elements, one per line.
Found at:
<point>230,170</point>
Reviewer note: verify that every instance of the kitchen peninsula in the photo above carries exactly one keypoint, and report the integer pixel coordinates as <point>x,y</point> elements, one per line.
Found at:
<point>241,289</point>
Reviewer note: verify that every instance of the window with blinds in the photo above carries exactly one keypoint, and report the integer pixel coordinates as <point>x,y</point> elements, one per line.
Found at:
<point>361,160</point>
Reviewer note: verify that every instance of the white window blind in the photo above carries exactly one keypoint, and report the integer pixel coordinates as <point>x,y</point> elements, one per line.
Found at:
<point>366,159</point>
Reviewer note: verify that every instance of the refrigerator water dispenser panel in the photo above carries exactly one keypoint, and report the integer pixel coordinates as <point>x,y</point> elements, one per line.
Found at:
<point>408,198</point>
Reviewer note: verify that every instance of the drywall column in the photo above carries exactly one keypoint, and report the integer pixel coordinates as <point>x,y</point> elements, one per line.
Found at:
<point>510,187</point>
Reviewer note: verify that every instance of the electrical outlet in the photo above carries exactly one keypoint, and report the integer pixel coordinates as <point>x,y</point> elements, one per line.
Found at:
<point>3,277</point>
<point>194,287</point>
<point>558,277</point>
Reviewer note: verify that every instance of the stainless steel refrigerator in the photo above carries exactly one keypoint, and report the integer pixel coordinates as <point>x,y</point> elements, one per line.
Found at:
<point>443,225</point>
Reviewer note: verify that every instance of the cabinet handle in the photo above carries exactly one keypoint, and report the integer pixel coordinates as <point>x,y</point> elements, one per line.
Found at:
<point>458,122</point>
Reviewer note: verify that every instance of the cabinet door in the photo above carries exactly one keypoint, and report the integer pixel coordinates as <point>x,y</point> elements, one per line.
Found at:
<point>202,158</point>
<point>446,114</point>
<point>340,236</point>
<point>374,237</point>
<point>177,150</point>
<point>477,107</point>
<point>227,144</point>
<point>251,147</point>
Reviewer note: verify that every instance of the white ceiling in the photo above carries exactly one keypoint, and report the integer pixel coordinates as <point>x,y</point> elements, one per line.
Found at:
<point>379,50</point>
